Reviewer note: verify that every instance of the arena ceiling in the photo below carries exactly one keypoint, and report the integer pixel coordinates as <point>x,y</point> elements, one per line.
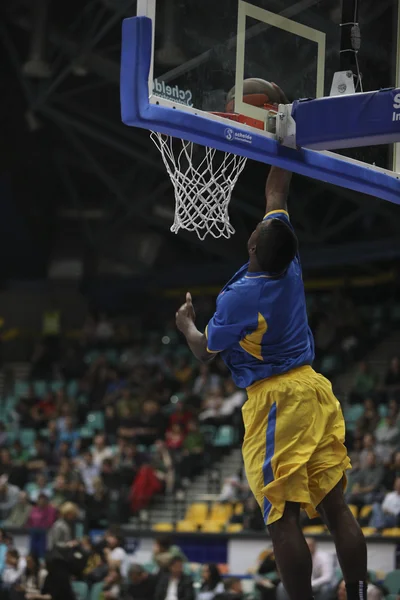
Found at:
<point>85,186</point>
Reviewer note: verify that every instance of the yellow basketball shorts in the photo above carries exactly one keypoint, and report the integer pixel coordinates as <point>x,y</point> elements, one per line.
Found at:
<point>293,447</point>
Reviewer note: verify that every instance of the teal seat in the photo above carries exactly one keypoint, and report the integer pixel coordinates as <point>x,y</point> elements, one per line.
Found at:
<point>81,590</point>
<point>352,414</point>
<point>329,364</point>
<point>72,388</point>
<point>225,437</point>
<point>392,582</point>
<point>56,386</point>
<point>27,437</point>
<point>21,388</point>
<point>30,488</point>
<point>382,410</point>
<point>96,591</point>
<point>112,356</point>
<point>40,388</point>
<point>85,433</point>
<point>90,357</point>
<point>208,432</point>
<point>95,420</point>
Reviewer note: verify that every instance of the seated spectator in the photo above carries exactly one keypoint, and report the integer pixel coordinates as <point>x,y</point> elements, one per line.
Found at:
<point>100,450</point>
<point>174,437</point>
<point>205,381</point>
<point>183,371</point>
<point>112,584</point>
<point>151,423</point>
<point>392,378</point>
<point>266,576</point>
<point>13,569</point>
<point>40,456</point>
<point>386,515</point>
<point>181,415</point>
<point>369,445</point>
<point>322,571</point>
<point>89,471</point>
<point>192,452</point>
<point>211,582</point>
<point>59,491</point>
<point>19,515</point>
<point>31,580</point>
<point>364,383</point>
<point>253,519</point>
<point>387,437</point>
<point>41,486</point>
<point>152,478</point>
<point>17,474</point>
<point>97,505</point>
<point>127,464</point>
<point>234,397</point>
<point>70,435</point>
<point>231,489</point>
<point>233,590</point>
<point>141,585</point>
<point>164,551</point>
<point>62,532</point>
<point>114,552</point>
<point>110,423</point>
<point>57,584</point>
<point>96,567</point>
<point>392,471</point>
<point>174,583</point>
<point>370,419</point>
<point>370,481</point>
<point>9,496</point>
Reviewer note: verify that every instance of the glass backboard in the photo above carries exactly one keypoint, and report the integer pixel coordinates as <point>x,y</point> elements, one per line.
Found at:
<point>203,49</point>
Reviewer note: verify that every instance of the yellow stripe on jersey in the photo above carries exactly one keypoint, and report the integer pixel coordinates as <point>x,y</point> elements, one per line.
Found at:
<point>252,342</point>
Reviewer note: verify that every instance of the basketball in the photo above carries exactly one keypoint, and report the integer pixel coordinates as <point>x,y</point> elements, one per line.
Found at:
<point>257,92</point>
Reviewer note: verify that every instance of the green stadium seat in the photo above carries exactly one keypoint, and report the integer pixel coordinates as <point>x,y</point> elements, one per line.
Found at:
<point>81,590</point>
<point>95,420</point>
<point>56,386</point>
<point>382,410</point>
<point>225,437</point>
<point>352,414</point>
<point>96,591</point>
<point>72,388</point>
<point>392,582</point>
<point>40,388</point>
<point>86,433</point>
<point>21,388</point>
<point>208,432</point>
<point>329,364</point>
<point>27,437</point>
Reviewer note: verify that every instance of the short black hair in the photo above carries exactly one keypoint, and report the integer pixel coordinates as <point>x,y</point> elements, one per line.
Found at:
<point>165,542</point>
<point>276,246</point>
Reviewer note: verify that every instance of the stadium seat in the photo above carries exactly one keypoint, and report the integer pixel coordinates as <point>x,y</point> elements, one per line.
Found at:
<point>234,528</point>
<point>314,530</point>
<point>56,386</point>
<point>329,364</point>
<point>238,508</point>
<point>382,410</point>
<point>197,513</point>
<point>27,437</point>
<point>96,591</point>
<point>365,511</point>
<point>208,432</point>
<point>392,532</point>
<point>72,388</point>
<point>40,388</point>
<point>352,414</point>
<point>225,437</point>
<point>212,527</point>
<point>354,510</point>
<point>221,513</point>
<point>95,420</point>
<point>81,590</point>
<point>392,582</point>
<point>368,531</point>
<point>85,433</point>
<point>21,388</point>
<point>163,527</point>
<point>186,526</point>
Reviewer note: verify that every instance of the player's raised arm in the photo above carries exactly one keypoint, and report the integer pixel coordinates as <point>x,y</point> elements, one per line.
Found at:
<point>197,341</point>
<point>277,189</point>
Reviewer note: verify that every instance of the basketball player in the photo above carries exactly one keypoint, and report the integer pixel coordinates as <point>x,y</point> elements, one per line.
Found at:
<point>293,447</point>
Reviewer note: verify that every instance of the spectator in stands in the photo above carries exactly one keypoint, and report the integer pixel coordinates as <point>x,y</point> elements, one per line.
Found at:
<point>114,552</point>
<point>141,585</point>
<point>62,531</point>
<point>96,567</point>
<point>367,490</point>
<point>57,584</point>
<point>97,505</point>
<point>180,415</point>
<point>174,439</point>
<point>192,451</point>
<point>392,378</point>
<point>153,478</point>
<point>41,486</point>
<point>365,381</point>
<point>43,515</point>
<point>386,515</point>
<point>174,584</point>
<point>100,450</point>
<point>164,551</point>
<point>59,491</point>
<point>19,515</point>
<point>233,590</point>
<point>211,582</point>
<point>112,584</point>
<point>392,471</point>
<point>388,437</point>
<point>151,423</point>
<point>89,471</point>
<point>266,577</point>
<point>253,519</point>
<point>9,496</point>
<point>369,445</point>
<point>370,419</point>
<point>31,580</point>
<point>231,488</point>
<point>13,569</point>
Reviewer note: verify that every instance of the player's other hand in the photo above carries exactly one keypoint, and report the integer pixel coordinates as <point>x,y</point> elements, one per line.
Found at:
<point>185,315</point>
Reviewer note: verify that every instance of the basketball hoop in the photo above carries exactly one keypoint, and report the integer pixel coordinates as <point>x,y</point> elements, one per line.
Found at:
<point>203,180</point>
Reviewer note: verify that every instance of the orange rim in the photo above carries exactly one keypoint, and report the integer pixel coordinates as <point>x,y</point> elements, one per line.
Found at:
<point>241,119</point>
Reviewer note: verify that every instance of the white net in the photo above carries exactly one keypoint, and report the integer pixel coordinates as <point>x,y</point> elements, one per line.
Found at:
<point>203,180</point>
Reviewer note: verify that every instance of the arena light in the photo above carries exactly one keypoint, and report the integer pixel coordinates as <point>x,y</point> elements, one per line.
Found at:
<point>36,66</point>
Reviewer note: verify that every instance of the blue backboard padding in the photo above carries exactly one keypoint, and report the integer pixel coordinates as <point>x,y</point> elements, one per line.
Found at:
<point>136,111</point>
<point>348,121</point>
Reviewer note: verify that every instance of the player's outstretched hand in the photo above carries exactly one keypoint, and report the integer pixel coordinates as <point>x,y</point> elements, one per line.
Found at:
<point>185,315</point>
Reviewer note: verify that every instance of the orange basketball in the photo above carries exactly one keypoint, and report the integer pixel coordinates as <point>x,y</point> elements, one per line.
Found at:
<point>257,92</point>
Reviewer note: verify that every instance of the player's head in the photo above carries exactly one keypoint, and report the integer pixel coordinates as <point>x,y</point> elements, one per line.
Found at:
<point>272,245</point>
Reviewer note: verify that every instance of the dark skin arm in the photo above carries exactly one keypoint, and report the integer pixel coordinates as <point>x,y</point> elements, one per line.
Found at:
<point>277,189</point>
<point>197,341</point>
